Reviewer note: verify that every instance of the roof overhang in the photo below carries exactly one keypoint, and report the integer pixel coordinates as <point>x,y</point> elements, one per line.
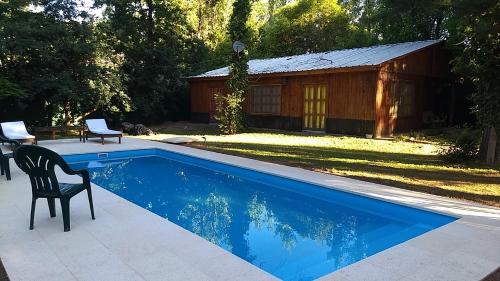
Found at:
<point>295,73</point>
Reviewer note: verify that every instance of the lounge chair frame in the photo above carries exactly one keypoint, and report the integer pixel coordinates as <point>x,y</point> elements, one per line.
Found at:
<point>5,136</point>
<point>89,132</point>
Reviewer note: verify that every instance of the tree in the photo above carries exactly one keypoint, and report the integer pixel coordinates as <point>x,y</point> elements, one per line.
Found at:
<point>395,21</point>
<point>9,89</point>
<point>152,36</point>
<point>230,106</point>
<point>212,18</point>
<point>208,21</point>
<point>309,26</point>
<point>217,56</point>
<point>52,57</point>
<point>61,65</point>
<point>475,39</point>
<point>273,5</point>
<point>361,13</point>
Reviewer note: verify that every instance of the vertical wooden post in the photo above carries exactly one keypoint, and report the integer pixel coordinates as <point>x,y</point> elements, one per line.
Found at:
<point>381,124</point>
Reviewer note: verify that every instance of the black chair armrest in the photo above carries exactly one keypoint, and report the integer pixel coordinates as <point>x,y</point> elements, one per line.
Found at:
<point>86,177</point>
<point>84,173</point>
<point>74,172</point>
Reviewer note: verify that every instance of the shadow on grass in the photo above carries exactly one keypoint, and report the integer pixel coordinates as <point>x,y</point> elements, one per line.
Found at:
<point>337,160</point>
<point>187,129</point>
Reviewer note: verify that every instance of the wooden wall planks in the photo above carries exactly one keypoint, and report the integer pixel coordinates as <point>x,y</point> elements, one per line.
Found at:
<point>357,94</point>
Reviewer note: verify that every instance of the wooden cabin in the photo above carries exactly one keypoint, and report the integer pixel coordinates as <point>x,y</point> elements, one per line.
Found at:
<point>377,90</point>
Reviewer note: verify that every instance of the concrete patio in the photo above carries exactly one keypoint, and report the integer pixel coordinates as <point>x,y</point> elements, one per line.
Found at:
<point>127,242</point>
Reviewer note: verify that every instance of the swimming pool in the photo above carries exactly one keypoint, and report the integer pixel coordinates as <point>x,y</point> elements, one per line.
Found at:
<point>291,229</point>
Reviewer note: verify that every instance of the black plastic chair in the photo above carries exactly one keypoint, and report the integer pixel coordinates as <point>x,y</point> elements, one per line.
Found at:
<point>4,164</point>
<point>4,158</point>
<point>39,163</point>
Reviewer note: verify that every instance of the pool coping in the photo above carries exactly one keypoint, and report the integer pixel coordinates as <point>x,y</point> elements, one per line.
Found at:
<point>445,251</point>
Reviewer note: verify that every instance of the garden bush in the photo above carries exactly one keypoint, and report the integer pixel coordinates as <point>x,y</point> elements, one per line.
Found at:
<point>464,149</point>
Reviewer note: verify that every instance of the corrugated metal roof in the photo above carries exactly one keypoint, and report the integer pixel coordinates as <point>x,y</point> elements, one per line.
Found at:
<point>368,56</point>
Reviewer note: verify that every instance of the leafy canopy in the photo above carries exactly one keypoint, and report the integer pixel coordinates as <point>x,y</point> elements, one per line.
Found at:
<point>475,42</point>
<point>60,64</point>
<point>53,57</point>
<point>309,26</point>
<point>152,39</point>
<point>395,21</point>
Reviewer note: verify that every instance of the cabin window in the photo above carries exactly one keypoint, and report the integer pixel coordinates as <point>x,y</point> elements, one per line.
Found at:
<point>266,99</point>
<point>403,99</point>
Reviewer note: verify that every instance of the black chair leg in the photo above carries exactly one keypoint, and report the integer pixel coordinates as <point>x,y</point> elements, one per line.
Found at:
<point>52,206</point>
<point>7,170</point>
<point>91,203</point>
<point>32,217</point>
<point>65,213</point>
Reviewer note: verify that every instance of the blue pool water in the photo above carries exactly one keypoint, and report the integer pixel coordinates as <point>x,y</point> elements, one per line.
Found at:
<point>291,229</point>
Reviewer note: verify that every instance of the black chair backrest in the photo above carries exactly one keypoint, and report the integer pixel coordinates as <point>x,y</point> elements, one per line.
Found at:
<point>39,163</point>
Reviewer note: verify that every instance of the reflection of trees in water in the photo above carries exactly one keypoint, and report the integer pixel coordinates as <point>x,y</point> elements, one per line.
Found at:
<point>116,177</point>
<point>212,210</point>
<point>261,217</point>
<point>208,217</point>
<point>319,229</point>
<point>257,211</point>
<point>339,231</point>
<point>115,174</point>
<point>221,208</point>
<point>347,245</point>
<point>327,226</point>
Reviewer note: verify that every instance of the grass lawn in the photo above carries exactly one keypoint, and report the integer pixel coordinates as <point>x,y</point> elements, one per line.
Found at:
<point>412,165</point>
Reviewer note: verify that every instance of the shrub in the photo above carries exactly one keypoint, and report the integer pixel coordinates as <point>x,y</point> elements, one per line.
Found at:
<point>229,113</point>
<point>464,149</point>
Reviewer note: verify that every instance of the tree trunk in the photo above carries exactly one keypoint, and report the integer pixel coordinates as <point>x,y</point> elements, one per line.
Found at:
<point>200,20</point>
<point>489,146</point>
<point>67,113</point>
<point>150,21</point>
<point>84,115</point>
<point>50,114</point>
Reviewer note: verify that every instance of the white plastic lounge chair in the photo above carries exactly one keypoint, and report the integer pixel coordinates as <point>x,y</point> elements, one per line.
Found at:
<point>98,127</point>
<point>17,131</point>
